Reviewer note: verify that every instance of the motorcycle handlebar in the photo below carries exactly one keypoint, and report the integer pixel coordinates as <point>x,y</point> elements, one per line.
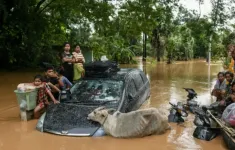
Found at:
<point>171,104</point>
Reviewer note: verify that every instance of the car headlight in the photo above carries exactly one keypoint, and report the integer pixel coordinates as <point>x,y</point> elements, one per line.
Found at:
<point>99,132</point>
<point>39,126</point>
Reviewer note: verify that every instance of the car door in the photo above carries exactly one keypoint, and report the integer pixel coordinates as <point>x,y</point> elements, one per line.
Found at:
<point>131,94</point>
<point>146,84</point>
<point>141,90</point>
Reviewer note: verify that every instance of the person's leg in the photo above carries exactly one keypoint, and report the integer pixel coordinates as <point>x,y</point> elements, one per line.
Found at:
<point>37,110</point>
<point>56,95</point>
<point>213,93</point>
<point>77,73</point>
<point>68,72</point>
<point>75,70</point>
<point>216,93</point>
<point>219,96</point>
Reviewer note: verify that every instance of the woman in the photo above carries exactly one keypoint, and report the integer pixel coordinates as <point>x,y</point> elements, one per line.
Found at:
<point>78,63</point>
<point>67,62</point>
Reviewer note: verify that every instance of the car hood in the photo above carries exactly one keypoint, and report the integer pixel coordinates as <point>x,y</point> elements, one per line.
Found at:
<point>70,120</point>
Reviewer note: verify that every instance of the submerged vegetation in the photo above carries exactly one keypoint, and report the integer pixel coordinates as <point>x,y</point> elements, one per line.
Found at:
<point>32,31</point>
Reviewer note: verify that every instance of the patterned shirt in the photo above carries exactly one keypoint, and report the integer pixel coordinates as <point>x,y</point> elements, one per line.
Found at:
<point>43,91</point>
<point>78,56</point>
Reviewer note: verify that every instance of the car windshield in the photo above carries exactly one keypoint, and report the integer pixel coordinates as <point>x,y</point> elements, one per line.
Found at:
<point>97,91</point>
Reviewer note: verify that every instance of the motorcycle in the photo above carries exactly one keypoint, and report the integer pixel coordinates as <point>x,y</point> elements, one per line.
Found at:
<point>206,127</point>
<point>177,112</point>
<point>192,105</point>
<point>217,108</point>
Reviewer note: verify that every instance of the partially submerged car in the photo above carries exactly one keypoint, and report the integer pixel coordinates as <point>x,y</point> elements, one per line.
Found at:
<point>125,90</point>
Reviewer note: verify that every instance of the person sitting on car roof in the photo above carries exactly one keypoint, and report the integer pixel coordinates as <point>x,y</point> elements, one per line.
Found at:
<point>42,97</point>
<point>66,83</point>
<point>51,77</point>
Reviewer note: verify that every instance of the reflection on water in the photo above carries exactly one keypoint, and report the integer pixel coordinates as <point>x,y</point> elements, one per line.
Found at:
<point>167,82</point>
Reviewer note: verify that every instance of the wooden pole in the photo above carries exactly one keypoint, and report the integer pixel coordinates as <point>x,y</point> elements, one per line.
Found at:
<point>231,131</point>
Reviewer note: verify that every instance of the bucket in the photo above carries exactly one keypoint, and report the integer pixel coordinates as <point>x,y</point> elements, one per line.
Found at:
<point>29,96</point>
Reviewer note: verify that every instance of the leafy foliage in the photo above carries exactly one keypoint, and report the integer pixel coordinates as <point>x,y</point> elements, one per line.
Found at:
<point>32,31</point>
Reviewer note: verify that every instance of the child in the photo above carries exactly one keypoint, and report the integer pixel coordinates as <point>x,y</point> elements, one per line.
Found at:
<point>53,81</point>
<point>66,83</point>
<point>42,97</point>
<point>78,63</point>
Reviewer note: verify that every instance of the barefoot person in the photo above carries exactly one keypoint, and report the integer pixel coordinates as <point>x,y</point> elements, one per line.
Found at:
<point>66,83</point>
<point>53,81</point>
<point>42,97</point>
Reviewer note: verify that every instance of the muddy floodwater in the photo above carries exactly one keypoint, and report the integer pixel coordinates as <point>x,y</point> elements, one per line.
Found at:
<point>167,82</point>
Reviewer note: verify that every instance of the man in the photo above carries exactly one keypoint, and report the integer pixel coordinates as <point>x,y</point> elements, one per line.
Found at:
<point>50,77</point>
<point>220,87</point>
<point>229,77</point>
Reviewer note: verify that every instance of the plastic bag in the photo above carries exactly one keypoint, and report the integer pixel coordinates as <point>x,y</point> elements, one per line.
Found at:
<point>229,115</point>
<point>22,87</point>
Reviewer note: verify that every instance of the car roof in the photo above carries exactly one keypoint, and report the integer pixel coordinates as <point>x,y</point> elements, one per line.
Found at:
<point>120,75</point>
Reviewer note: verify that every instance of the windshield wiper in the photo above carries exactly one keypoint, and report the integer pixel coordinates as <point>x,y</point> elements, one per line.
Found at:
<point>105,102</point>
<point>92,102</point>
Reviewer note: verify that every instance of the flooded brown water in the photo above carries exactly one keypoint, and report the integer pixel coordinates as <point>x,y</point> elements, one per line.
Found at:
<point>167,82</point>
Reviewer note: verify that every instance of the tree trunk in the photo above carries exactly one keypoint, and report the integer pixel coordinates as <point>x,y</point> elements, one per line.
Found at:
<point>144,46</point>
<point>156,43</point>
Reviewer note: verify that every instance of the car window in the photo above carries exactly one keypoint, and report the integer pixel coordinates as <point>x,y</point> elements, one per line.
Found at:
<point>97,90</point>
<point>138,80</point>
<point>131,88</point>
<point>143,77</point>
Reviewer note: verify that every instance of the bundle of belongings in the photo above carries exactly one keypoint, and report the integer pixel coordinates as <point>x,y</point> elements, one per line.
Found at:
<point>229,115</point>
<point>24,87</point>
